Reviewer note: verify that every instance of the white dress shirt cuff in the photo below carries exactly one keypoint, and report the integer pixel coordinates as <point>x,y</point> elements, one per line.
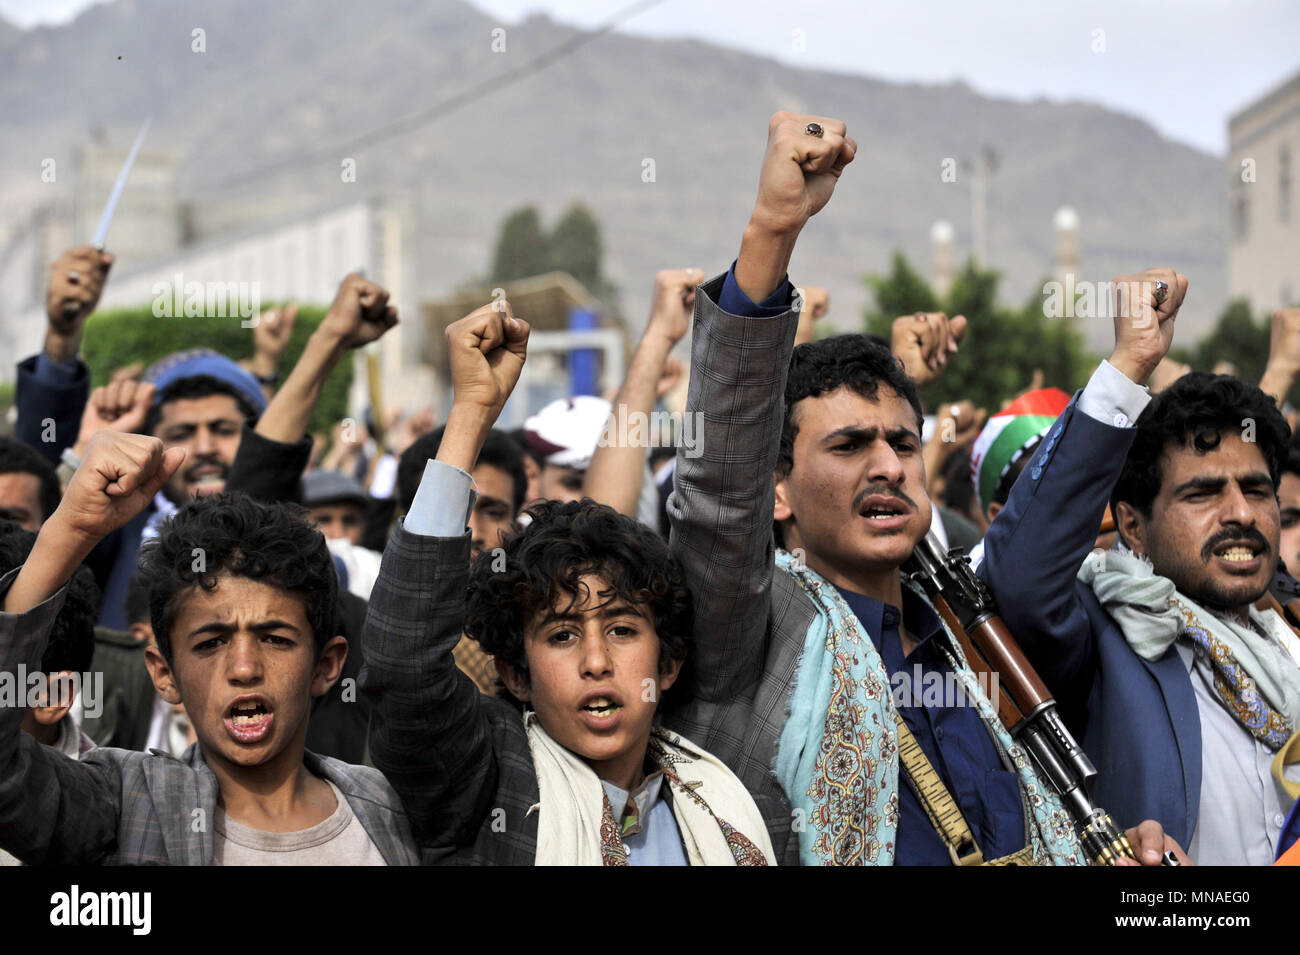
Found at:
<point>1112,398</point>
<point>443,502</point>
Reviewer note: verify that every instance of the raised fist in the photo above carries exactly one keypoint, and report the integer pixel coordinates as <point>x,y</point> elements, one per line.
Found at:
<point>800,170</point>
<point>272,331</point>
<point>487,349</point>
<point>360,313</point>
<point>816,303</point>
<point>674,302</point>
<point>76,281</point>
<point>118,477</point>
<point>925,341</point>
<point>1144,322</point>
<point>119,406</point>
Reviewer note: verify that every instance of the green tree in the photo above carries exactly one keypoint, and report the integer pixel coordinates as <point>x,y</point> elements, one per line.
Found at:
<point>124,335</point>
<point>1235,338</point>
<point>1003,346</point>
<point>575,246</point>
<point>521,249</point>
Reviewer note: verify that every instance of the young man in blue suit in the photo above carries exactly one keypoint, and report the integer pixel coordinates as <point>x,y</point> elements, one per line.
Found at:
<point>1184,694</point>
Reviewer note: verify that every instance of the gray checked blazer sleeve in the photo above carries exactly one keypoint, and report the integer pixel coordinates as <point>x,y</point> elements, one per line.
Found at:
<point>429,730</point>
<point>53,810</point>
<point>721,508</point>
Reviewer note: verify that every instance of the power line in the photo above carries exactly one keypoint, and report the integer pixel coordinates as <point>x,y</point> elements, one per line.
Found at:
<point>449,105</point>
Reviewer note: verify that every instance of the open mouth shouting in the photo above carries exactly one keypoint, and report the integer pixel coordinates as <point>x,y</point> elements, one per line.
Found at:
<point>601,710</point>
<point>885,511</point>
<point>1241,557</point>
<point>248,719</point>
<point>206,478</point>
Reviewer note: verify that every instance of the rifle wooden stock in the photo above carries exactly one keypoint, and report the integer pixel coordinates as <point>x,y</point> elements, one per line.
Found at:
<point>1009,712</point>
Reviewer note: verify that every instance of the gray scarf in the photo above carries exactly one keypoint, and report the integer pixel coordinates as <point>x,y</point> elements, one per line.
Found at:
<point>1255,679</point>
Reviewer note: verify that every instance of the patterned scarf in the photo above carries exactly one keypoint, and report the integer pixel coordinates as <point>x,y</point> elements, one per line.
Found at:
<point>576,824</point>
<point>1253,678</point>
<point>837,758</point>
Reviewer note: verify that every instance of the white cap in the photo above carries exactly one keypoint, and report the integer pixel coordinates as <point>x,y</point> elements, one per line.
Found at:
<point>567,431</point>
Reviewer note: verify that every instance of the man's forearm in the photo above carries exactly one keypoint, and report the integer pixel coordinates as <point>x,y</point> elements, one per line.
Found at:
<point>287,417</point>
<point>618,467</point>
<point>1277,382</point>
<point>60,348</point>
<point>54,558</point>
<point>462,439</point>
<point>764,261</point>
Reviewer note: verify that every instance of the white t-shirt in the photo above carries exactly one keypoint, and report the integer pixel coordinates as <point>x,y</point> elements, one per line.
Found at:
<point>338,840</point>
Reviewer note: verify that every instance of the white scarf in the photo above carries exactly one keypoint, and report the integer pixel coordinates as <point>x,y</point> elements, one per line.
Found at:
<point>572,802</point>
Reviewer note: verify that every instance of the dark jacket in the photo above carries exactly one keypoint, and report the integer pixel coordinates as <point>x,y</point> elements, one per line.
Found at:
<point>1137,719</point>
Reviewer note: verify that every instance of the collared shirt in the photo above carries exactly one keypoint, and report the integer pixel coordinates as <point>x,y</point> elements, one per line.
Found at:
<point>646,823</point>
<point>950,732</point>
<point>441,508</point>
<point>1242,807</point>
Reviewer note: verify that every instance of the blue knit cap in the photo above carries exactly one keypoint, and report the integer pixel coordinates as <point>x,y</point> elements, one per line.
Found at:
<point>165,372</point>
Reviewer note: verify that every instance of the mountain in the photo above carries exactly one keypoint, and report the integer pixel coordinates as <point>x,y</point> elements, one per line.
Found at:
<point>264,116</point>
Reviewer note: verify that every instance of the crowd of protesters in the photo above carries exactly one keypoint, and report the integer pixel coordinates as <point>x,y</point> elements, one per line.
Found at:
<point>226,640</point>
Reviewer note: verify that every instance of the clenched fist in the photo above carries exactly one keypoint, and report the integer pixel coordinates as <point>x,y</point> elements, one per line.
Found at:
<point>76,281</point>
<point>816,303</point>
<point>118,406</point>
<point>1144,327</point>
<point>118,477</point>
<point>360,313</point>
<point>923,342</point>
<point>673,303</point>
<point>804,159</point>
<point>487,349</point>
<point>800,170</point>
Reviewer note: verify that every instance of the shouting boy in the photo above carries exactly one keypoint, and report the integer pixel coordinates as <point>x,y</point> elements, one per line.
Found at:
<point>589,619</point>
<point>243,599</point>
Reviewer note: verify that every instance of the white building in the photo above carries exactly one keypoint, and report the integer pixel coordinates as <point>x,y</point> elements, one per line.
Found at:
<point>1264,221</point>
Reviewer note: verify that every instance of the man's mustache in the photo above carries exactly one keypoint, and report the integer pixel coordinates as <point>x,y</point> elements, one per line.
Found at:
<point>882,490</point>
<point>1240,535</point>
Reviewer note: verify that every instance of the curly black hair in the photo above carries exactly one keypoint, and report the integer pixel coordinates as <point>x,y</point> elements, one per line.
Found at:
<point>198,386</point>
<point>17,458</point>
<point>857,362</point>
<point>544,564</point>
<point>71,643</point>
<point>231,534</point>
<point>1195,411</point>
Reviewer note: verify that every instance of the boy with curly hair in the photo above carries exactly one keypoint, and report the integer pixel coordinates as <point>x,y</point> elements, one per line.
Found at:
<point>589,619</point>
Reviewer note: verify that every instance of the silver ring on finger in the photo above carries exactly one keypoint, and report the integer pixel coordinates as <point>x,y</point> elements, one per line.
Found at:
<point>1162,292</point>
<point>815,129</point>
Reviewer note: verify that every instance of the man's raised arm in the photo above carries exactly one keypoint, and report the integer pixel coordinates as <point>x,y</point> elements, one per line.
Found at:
<point>745,323</point>
<point>1037,543</point>
<point>55,810</point>
<point>428,730</point>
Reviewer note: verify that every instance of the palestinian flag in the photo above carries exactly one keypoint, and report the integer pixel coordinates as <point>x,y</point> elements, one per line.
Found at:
<point>1005,436</point>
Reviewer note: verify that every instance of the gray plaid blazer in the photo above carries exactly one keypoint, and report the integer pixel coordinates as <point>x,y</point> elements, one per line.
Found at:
<point>459,759</point>
<point>119,807</point>
<point>750,618</point>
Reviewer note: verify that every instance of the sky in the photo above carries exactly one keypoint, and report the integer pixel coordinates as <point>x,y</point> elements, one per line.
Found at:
<point>1183,65</point>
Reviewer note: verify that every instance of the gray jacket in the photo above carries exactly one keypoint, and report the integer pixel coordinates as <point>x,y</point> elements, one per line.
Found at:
<point>751,619</point>
<point>119,807</point>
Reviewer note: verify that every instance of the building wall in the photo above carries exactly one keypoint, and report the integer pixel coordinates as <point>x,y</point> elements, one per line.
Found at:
<point>300,260</point>
<point>1264,214</point>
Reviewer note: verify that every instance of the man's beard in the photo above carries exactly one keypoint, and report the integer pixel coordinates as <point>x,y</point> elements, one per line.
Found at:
<point>1211,592</point>
<point>179,488</point>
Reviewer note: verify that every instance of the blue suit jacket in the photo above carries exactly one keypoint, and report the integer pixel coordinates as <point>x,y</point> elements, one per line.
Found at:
<point>1137,720</point>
